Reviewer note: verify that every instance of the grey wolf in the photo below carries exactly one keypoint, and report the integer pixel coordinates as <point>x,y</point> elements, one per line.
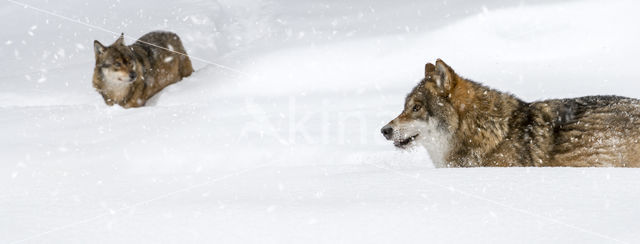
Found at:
<point>462,123</point>
<point>130,75</point>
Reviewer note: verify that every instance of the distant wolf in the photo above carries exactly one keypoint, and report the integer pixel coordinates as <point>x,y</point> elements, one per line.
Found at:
<point>462,123</point>
<point>130,75</point>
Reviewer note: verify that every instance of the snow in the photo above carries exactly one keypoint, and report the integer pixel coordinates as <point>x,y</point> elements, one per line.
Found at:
<point>275,137</point>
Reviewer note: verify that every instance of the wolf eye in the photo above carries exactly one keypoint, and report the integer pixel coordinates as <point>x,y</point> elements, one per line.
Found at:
<point>117,64</point>
<point>416,108</point>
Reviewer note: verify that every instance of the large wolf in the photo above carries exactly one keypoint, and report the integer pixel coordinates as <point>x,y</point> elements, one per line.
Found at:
<point>464,124</point>
<point>130,75</point>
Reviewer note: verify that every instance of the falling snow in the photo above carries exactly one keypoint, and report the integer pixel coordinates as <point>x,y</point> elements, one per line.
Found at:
<point>275,137</point>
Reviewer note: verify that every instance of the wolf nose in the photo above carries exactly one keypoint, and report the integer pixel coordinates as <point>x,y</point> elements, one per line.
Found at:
<point>132,75</point>
<point>387,132</point>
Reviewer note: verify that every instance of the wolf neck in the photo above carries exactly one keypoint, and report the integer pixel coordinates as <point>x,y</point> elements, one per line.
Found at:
<point>116,90</point>
<point>484,116</point>
<point>437,143</point>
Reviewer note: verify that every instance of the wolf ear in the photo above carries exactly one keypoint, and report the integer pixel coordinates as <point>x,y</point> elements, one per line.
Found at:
<point>429,68</point>
<point>120,40</point>
<point>445,78</point>
<point>98,48</point>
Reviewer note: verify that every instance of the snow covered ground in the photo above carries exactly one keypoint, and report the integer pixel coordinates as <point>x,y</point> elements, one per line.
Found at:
<point>285,148</point>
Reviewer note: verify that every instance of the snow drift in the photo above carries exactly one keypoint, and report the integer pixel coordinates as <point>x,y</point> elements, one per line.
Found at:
<point>287,149</point>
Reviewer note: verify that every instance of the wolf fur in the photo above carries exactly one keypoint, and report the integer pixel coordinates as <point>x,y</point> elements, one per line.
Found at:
<point>462,123</point>
<point>130,75</point>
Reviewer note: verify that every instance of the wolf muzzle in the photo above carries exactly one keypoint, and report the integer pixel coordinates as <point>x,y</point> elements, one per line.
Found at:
<point>387,132</point>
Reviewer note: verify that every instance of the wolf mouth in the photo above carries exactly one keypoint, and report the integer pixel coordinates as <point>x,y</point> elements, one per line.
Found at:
<point>403,143</point>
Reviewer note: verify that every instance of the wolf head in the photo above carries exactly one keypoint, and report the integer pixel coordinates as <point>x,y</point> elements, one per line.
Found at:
<point>429,117</point>
<point>116,63</point>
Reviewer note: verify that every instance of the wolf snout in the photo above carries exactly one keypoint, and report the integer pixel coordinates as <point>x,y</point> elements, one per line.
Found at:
<point>132,75</point>
<point>387,132</point>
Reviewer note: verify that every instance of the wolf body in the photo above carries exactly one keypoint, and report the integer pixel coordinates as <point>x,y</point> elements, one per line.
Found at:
<point>130,75</point>
<point>462,123</point>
